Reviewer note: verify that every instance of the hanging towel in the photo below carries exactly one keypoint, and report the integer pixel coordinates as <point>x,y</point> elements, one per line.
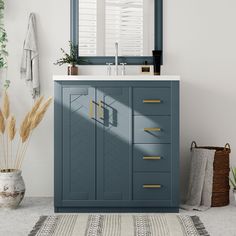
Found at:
<point>201,180</point>
<point>30,59</point>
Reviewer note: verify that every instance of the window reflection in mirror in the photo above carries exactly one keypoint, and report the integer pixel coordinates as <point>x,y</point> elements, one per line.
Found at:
<point>104,22</point>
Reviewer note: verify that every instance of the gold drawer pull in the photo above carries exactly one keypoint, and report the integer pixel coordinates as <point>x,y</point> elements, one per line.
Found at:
<point>151,101</point>
<point>100,110</point>
<point>152,129</point>
<point>151,186</point>
<point>91,109</point>
<point>152,158</point>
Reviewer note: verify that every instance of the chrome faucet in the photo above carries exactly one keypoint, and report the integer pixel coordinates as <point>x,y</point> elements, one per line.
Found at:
<point>123,68</point>
<point>116,58</point>
<point>109,68</point>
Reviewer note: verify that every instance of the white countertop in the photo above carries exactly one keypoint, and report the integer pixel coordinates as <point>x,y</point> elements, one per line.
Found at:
<point>116,78</point>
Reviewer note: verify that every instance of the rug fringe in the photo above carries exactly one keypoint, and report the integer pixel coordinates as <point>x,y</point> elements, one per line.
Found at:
<point>199,226</point>
<point>37,226</point>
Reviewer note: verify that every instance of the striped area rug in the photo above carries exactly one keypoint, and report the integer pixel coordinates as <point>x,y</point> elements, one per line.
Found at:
<point>119,225</point>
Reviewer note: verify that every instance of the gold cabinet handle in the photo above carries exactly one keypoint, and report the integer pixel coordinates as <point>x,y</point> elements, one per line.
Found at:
<point>152,158</point>
<point>91,109</point>
<point>151,186</point>
<point>100,110</point>
<point>151,101</point>
<point>152,129</point>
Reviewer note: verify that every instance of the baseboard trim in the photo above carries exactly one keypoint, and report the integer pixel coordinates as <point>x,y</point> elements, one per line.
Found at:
<point>116,209</point>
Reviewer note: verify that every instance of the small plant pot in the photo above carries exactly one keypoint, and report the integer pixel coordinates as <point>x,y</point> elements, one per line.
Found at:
<point>12,188</point>
<point>73,70</point>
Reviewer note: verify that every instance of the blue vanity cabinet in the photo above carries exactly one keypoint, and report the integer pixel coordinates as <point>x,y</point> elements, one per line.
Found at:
<point>78,142</point>
<point>114,133</point>
<point>116,146</point>
<point>152,101</point>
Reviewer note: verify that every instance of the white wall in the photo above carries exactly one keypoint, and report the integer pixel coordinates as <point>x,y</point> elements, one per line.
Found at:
<point>53,33</point>
<point>199,45</point>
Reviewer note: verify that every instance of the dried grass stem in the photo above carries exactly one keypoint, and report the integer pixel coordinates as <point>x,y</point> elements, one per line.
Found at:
<point>8,132</point>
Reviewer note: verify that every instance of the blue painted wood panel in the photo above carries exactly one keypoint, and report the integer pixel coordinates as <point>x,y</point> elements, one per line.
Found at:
<point>167,208</point>
<point>175,120</point>
<point>144,101</point>
<point>58,146</point>
<point>152,157</point>
<point>161,134</point>
<point>141,188</point>
<point>119,83</point>
<point>78,144</point>
<point>114,144</point>
<point>98,159</point>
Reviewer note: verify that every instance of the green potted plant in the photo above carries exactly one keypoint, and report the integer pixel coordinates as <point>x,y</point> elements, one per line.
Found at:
<point>3,44</point>
<point>3,38</point>
<point>71,59</point>
<point>233,181</point>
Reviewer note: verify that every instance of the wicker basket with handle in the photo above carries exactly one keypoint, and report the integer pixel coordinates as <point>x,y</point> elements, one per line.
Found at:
<point>221,169</point>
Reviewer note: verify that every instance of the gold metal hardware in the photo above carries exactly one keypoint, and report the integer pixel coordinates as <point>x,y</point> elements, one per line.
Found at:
<point>151,186</point>
<point>152,129</point>
<point>100,110</point>
<point>152,158</point>
<point>91,109</point>
<point>151,101</point>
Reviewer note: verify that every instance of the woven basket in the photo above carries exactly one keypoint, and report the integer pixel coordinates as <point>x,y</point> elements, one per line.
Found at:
<point>221,169</point>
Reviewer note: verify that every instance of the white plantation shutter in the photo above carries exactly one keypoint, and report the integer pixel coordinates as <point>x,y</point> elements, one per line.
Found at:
<point>124,24</point>
<point>88,27</point>
<point>104,22</point>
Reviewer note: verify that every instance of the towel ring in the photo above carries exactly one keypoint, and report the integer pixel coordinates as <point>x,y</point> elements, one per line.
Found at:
<point>193,145</point>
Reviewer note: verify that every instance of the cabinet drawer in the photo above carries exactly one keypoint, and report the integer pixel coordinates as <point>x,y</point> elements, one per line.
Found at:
<point>152,101</point>
<point>152,157</point>
<point>152,129</point>
<point>152,186</point>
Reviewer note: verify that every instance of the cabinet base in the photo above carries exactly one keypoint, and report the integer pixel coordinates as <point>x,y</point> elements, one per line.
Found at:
<point>115,210</point>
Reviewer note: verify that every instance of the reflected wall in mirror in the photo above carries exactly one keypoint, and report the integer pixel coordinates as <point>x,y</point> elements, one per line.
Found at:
<point>104,22</point>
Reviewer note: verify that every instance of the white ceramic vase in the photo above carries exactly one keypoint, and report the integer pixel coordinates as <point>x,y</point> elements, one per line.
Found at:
<point>12,189</point>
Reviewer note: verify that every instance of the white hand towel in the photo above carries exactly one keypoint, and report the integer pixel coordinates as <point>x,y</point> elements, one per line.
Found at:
<point>30,59</point>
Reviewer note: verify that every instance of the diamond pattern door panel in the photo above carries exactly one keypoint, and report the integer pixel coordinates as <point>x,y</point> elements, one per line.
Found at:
<point>78,143</point>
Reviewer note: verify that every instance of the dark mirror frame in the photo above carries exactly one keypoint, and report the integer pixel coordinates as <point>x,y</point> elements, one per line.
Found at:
<point>102,60</point>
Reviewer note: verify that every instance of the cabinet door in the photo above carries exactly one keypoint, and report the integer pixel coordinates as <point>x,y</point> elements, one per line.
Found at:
<point>78,167</point>
<point>114,144</point>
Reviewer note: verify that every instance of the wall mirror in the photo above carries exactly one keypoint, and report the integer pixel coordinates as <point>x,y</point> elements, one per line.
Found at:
<point>136,25</point>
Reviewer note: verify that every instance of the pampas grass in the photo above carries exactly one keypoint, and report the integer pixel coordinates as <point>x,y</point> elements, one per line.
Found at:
<point>11,128</point>
<point>25,128</point>
<point>11,131</point>
<point>2,123</point>
<point>40,114</point>
<point>36,107</point>
<point>35,117</point>
<point>9,160</point>
<point>2,130</point>
<point>6,105</point>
